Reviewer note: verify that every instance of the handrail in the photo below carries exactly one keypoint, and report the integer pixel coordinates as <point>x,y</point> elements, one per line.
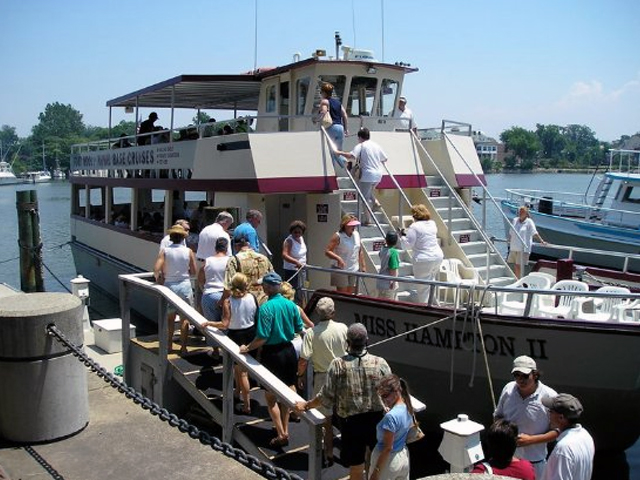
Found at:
<point>515,194</point>
<point>313,417</point>
<point>333,149</point>
<point>490,246</point>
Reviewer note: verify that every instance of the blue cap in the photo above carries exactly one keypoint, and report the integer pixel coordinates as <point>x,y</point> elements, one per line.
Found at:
<point>271,278</point>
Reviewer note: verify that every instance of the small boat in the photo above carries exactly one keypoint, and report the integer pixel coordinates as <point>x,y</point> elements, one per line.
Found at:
<point>39,176</point>
<point>277,159</point>
<point>7,177</point>
<point>608,219</point>
<point>58,173</point>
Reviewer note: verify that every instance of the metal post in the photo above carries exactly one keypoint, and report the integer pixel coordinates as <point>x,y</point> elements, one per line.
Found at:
<point>29,242</point>
<point>227,397</point>
<point>315,451</point>
<point>163,348</point>
<point>125,315</point>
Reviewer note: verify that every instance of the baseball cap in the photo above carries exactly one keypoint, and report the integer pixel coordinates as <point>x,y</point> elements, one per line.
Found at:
<point>524,364</point>
<point>271,278</point>
<point>565,404</point>
<point>325,308</point>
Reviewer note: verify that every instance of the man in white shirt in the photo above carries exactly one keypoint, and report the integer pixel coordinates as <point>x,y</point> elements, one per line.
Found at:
<point>522,402</point>
<point>211,233</point>
<point>371,158</point>
<point>406,114</point>
<point>572,457</point>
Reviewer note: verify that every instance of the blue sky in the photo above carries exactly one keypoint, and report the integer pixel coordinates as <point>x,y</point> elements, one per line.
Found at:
<point>494,64</point>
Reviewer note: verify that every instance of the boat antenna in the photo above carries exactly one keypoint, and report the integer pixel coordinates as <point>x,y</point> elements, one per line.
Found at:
<point>338,43</point>
<point>255,36</point>
<point>353,23</point>
<point>382,16</point>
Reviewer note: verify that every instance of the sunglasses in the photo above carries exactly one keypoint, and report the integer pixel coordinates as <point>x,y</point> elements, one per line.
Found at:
<point>521,376</point>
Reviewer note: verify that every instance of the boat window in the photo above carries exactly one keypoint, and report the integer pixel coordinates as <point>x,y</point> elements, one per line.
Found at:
<point>121,209</point>
<point>271,99</point>
<point>388,93</point>
<point>302,89</point>
<point>631,195</point>
<point>283,123</point>
<point>361,96</point>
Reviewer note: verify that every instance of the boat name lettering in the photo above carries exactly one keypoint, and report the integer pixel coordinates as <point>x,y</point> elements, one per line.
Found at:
<point>115,159</point>
<point>438,337</point>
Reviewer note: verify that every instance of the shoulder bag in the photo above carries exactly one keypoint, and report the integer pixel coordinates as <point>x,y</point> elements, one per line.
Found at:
<point>415,432</point>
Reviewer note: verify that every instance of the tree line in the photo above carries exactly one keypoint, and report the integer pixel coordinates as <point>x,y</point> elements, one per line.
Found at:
<point>553,147</point>
<point>61,126</point>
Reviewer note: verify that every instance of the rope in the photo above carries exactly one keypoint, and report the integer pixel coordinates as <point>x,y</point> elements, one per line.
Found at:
<point>9,260</point>
<point>264,469</point>
<point>435,322</point>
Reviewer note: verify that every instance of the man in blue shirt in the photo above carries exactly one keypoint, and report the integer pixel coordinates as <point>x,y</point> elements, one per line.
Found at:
<point>248,230</point>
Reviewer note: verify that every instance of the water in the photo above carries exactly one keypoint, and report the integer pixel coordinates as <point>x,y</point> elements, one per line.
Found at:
<point>54,197</point>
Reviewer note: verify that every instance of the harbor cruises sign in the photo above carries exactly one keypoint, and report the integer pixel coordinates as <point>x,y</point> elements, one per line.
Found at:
<point>150,157</point>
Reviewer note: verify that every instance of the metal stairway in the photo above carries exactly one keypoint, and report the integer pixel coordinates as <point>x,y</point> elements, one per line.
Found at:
<point>601,192</point>
<point>373,239</point>
<point>460,234</point>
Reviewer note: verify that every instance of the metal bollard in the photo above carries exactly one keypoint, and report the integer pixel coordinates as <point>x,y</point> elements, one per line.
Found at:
<point>44,387</point>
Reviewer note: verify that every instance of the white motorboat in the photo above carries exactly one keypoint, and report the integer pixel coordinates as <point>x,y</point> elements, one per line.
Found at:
<point>7,177</point>
<point>278,160</point>
<point>608,219</point>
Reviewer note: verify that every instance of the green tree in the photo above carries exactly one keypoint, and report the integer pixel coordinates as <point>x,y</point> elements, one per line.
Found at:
<point>551,140</point>
<point>524,144</point>
<point>8,138</point>
<point>57,120</point>
<point>201,117</point>
<point>579,143</point>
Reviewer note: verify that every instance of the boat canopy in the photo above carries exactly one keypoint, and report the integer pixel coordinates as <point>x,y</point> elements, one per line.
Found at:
<point>224,92</point>
<point>220,92</point>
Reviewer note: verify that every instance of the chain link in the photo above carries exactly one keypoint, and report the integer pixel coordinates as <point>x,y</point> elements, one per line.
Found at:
<point>267,470</point>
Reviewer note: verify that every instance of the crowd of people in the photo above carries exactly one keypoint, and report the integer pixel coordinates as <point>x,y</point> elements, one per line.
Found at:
<point>243,295</point>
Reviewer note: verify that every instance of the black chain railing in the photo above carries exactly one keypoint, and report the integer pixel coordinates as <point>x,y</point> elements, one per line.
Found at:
<point>267,470</point>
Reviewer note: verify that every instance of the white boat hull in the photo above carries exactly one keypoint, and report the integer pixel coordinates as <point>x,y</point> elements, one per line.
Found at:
<point>445,366</point>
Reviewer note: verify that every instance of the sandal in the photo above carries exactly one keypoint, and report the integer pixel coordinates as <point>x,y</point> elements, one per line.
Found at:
<point>279,442</point>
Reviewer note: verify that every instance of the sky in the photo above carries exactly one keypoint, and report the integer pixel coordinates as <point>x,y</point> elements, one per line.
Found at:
<point>495,64</point>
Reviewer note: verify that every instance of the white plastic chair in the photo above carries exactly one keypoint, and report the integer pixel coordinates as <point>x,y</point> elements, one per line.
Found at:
<point>627,312</point>
<point>547,304</point>
<point>599,309</point>
<point>453,270</point>
<point>514,303</point>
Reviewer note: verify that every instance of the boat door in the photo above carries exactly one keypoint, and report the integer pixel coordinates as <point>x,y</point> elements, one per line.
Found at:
<point>275,92</point>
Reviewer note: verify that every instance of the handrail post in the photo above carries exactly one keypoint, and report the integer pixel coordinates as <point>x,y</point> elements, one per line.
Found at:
<point>163,347</point>
<point>315,451</point>
<point>125,315</point>
<point>227,397</point>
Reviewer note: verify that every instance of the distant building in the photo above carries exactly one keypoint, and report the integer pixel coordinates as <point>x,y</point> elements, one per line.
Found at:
<point>632,143</point>
<point>487,147</point>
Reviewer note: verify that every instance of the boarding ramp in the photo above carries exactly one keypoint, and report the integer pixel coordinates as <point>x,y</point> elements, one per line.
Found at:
<point>207,382</point>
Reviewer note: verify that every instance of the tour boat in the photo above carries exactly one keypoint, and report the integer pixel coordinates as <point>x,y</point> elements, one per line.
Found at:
<point>276,158</point>
<point>608,219</point>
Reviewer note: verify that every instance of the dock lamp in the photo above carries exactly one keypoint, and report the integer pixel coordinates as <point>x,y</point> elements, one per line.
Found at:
<point>461,446</point>
<point>80,288</point>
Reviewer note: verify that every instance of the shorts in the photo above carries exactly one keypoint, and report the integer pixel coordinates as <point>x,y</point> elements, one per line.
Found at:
<point>242,336</point>
<point>183,290</point>
<point>516,255</point>
<point>281,360</point>
<point>358,433</point>
<point>210,308</point>
<point>342,280</point>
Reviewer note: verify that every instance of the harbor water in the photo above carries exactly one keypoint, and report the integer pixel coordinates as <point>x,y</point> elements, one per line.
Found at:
<point>54,199</point>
